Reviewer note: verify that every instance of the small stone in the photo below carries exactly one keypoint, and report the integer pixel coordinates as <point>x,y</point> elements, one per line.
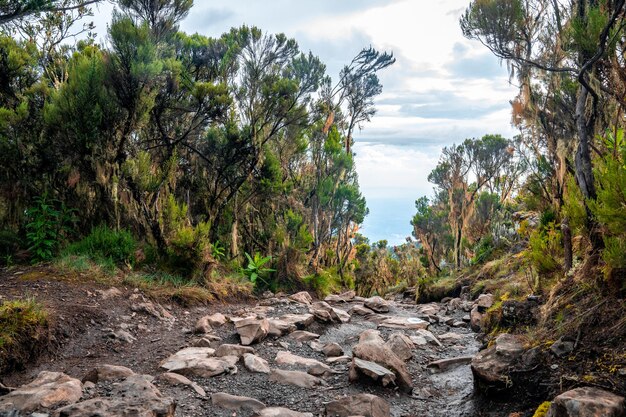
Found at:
<point>332,349</point>
<point>255,363</point>
<point>233,402</point>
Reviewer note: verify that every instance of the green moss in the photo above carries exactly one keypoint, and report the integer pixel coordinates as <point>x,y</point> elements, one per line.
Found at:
<point>542,410</point>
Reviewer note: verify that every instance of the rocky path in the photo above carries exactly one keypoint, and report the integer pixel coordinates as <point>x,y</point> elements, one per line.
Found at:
<point>285,352</point>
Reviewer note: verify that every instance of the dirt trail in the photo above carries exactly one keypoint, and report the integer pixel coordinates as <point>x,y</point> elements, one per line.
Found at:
<point>87,315</point>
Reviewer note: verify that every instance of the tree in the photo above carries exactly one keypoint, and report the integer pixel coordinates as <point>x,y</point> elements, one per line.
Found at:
<point>11,11</point>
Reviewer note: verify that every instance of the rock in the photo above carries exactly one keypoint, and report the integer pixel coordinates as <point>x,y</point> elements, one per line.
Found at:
<point>404,323</point>
<point>236,403</point>
<point>467,318</point>
<point>361,310</point>
<point>176,379</point>
<point>365,405</point>
<point>377,304</point>
<point>255,363</point>
<point>587,402</point>
<point>562,347</point>
<point>107,373</point>
<point>429,309</point>
<point>217,319</point>
<point>48,390</point>
<point>491,366</point>
<point>371,348</point>
<point>327,314</point>
<point>301,321</point>
<point>341,298</point>
<point>232,350</point>
<point>339,359</point>
<point>484,302</point>
<point>430,338</point>
<point>252,330</point>
<point>122,335</point>
<point>460,324</point>
<point>476,319</point>
<point>297,378</point>
<point>110,293</point>
<point>370,335</point>
<point>209,340</point>
<point>280,327</point>
<point>443,364</point>
<point>197,361</point>
<point>135,396</point>
<point>302,297</point>
<point>288,358</point>
<point>401,345</point>
<point>281,412</point>
<point>151,309</point>
<point>304,336</point>
<point>451,337</point>
<point>203,326</point>
<point>418,340</point>
<point>518,313</point>
<point>371,370</point>
<point>332,349</point>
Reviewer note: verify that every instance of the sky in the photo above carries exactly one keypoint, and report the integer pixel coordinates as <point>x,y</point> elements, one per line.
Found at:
<point>442,89</point>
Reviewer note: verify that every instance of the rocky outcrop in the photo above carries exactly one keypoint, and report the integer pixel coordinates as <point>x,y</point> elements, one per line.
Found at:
<point>48,390</point>
<point>365,405</point>
<point>587,402</point>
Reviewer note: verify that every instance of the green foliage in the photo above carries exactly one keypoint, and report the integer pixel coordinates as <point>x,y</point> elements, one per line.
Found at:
<point>106,246</point>
<point>218,251</point>
<point>483,250</point>
<point>256,271</point>
<point>544,249</point>
<point>326,281</point>
<point>10,243</point>
<point>50,222</point>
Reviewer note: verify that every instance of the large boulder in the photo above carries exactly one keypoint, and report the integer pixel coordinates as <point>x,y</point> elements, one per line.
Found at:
<point>252,330</point>
<point>587,402</point>
<point>377,304</point>
<point>372,348</point>
<point>491,367</point>
<point>48,390</point>
<point>366,405</point>
<point>135,396</point>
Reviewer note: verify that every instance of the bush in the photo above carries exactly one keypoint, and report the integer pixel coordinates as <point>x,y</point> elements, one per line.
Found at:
<point>325,282</point>
<point>10,243</point>
<point>50,223</point>
<point>104,244</point>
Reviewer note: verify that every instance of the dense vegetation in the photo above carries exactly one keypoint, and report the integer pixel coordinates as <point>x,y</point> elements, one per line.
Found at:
<point>199,155</point>
<point>558,188</point>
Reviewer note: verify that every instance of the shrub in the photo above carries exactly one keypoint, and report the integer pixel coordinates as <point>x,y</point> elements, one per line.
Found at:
<point>50,222</point>
<point>326,281</point>
<point>104,244</point>
<point>256,271</point>
<point>10,243</point>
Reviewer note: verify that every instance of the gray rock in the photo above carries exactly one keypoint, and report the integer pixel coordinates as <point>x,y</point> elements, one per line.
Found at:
<point>198,362</point>
<point>304,336</point>
<point>302,297</point>
<point>562,347</point>
<point>236,403</point>
<point>377,304</point>
<point>255,363</point>
<point>107,373</point>
<point>281,412</point>
<point>48,390</point>
<point>371,370</point>
<point>365,405</point>
<point>587,402</point>
<point>177,379</point>
<point>332,349</point>
<point>491,366</point>
<point>232,350</point>
<point>401,345</point>
<point>252,330</point>
<point>297,378</point>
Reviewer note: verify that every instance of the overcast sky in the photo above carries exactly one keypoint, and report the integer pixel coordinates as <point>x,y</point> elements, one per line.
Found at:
<point>442,89</point>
